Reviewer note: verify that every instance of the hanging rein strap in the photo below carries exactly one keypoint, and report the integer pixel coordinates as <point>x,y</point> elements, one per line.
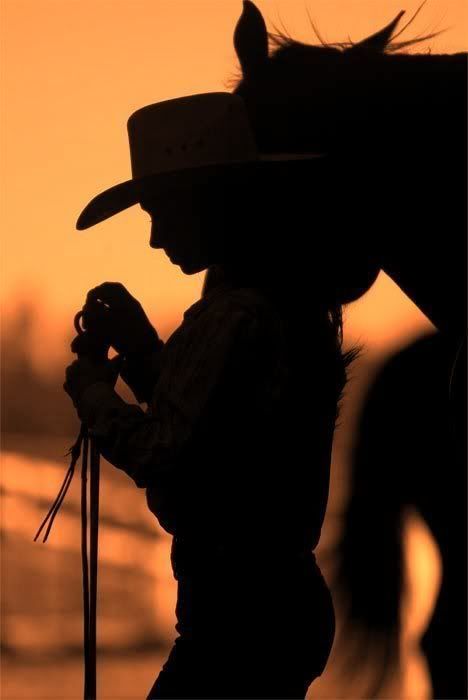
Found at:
<point>88,445</point>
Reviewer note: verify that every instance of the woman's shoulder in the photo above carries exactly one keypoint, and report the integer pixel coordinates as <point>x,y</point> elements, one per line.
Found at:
<point>228,317</point>
<point>246,301</point>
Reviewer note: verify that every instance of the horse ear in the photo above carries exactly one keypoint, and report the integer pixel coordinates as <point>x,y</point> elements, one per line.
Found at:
<point>377,42</point>
<point>251,39</point>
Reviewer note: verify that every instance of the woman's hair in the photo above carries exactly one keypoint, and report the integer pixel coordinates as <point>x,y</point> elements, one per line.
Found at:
<point>279,240</point>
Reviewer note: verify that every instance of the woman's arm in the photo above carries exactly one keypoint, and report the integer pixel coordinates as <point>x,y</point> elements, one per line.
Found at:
<point>140,371</point>
<point>128,437</point>
<point>146,445</point>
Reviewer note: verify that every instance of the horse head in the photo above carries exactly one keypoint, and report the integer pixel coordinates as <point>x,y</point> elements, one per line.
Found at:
<point>394,125</point>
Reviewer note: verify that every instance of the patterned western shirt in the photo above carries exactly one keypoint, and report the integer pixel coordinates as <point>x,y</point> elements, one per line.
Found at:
<point>236,438</point>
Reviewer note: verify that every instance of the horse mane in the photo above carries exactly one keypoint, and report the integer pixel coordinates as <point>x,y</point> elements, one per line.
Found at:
<point>280,41</point>
<point>336,94</point>
<point>283,49</point>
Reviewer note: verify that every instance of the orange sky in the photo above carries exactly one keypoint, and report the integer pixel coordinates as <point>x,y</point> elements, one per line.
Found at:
<point>73,71</point>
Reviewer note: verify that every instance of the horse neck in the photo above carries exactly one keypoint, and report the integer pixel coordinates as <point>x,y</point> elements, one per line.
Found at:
<point>424,127</point>
<point>439,79</point>
<point>417,102</point>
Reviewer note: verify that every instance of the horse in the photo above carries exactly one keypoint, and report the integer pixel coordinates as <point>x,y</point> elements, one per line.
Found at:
<point>405,458</point>
<point>393,125</point>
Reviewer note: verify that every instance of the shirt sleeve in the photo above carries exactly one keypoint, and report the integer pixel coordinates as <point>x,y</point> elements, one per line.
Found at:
<point>148,444</point>
<point>140,371</point>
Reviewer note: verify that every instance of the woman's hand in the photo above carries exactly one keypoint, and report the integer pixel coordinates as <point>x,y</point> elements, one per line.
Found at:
<point>113,312</point>
<point>85,371</point>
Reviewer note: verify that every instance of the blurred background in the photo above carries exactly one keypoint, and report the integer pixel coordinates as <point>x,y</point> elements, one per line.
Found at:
<point>73,71</point>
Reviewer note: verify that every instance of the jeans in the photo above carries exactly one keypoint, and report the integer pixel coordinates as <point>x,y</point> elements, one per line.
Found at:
<point>268,639</point>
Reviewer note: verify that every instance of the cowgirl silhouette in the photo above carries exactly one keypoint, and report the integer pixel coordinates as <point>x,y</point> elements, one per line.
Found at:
<point>233,448</point>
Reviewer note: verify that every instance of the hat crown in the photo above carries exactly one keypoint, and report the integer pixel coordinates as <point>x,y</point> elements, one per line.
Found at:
<point>190,131</point>
<point>182,137</point>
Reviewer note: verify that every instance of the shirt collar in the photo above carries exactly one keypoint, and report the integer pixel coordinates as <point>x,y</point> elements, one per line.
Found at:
<point>206,300</point>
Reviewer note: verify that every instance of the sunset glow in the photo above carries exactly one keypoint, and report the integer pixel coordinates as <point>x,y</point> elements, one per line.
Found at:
<point>72,73</point>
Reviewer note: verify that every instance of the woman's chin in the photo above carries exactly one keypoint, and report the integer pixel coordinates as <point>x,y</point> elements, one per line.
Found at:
<point>190,268</point>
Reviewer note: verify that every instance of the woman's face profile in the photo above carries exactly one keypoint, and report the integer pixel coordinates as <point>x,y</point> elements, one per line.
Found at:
<point>185,226</point>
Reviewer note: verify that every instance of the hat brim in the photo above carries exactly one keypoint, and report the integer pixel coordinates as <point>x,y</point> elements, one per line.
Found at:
<point>126,194</point>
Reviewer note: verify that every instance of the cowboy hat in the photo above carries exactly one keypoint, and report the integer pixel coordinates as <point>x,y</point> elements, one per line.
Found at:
<point>178,141</point>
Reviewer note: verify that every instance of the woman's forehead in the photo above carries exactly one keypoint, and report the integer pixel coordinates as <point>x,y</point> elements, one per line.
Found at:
<point>151,200</point>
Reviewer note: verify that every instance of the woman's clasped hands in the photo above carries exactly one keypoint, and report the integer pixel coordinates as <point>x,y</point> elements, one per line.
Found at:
<point>111,317</point>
